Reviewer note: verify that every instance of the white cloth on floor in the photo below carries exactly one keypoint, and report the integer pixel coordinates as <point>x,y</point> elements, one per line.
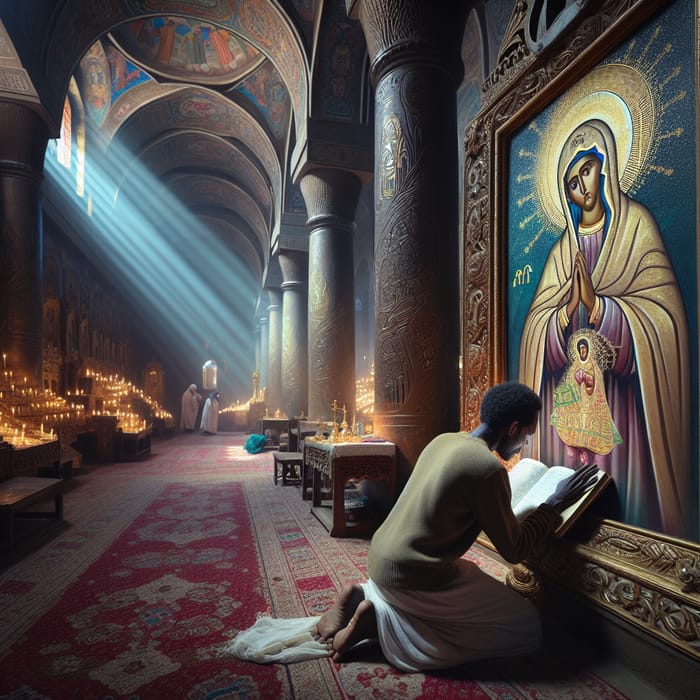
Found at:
<point>273,640</point>
<point>475,617</point>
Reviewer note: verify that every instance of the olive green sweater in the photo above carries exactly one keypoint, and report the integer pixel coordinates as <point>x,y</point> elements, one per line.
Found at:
<point>457,489</point>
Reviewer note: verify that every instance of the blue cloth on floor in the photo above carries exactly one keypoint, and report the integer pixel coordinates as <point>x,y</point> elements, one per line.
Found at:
<point>255,443</point>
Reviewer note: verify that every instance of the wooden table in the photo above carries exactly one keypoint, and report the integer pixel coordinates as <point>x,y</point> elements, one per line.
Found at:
<point>133,446</point>
<point>341,463</point>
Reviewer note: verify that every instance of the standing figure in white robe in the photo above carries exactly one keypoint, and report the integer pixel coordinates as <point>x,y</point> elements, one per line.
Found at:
<point>610,272</point>
<point>210,414</point>
<point>189,408</point>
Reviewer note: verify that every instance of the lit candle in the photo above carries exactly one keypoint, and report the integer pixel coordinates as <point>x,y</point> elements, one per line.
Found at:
<point>4,361</point>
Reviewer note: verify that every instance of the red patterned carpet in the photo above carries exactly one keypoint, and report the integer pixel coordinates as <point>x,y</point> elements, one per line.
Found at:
<point>162,561</point>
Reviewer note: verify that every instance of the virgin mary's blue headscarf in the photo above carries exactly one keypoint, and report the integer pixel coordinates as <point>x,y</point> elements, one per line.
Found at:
<point>574,209</point>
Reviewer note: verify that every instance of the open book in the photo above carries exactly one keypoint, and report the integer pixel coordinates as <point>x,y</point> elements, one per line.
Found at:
<point>531,482</point>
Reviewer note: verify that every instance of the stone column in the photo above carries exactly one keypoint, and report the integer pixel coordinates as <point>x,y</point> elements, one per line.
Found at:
<point>414,48</point>
<point>258,350</point>
<point>274,366</point>
<point>331,196</point>
<point>22,147</point>
<point>294,266</point>
<point>264,352</point>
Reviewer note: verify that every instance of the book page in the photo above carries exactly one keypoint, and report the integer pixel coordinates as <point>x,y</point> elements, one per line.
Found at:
<point>523,476</point>
<point>538,493</point>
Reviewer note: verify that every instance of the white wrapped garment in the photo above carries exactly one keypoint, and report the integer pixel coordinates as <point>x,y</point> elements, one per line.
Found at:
<point>272,640</point>
<point>475,617</point>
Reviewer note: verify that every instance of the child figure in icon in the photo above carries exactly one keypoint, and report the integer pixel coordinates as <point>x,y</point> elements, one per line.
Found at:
<point>581,412</point>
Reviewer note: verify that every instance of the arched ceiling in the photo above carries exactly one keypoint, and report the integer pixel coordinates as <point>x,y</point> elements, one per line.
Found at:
<point>161,88</point>
<point>211,99</point>
<point>217,90</point>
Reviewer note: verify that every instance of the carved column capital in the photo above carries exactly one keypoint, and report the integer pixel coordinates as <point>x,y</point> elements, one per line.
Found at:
<point>408,31</point>
<point>293,264</point>
<point>331,196</point>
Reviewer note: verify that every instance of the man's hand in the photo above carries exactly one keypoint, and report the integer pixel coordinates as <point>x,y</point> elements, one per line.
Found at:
<point>570,490</point>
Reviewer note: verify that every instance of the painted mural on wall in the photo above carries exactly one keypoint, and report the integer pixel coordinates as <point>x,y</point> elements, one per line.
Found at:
<point>104,77</point>
<point>95,83</point>
<point>265,89</point>
<point>338,86</point>
<point>125,75</point>
<point>603,274</point>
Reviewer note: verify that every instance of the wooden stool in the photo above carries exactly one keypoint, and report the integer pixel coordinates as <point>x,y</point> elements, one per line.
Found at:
<point>285,465</point>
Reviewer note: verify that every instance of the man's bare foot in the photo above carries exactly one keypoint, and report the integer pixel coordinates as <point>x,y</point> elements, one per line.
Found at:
<point>362,625</point>
<point>338,616</point>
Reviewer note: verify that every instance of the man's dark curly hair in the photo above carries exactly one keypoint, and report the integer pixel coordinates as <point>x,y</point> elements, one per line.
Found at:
<point>511,401</point>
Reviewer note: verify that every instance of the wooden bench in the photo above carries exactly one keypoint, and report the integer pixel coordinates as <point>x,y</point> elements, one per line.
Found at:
<point>19,492</point>
<point>20,488</point>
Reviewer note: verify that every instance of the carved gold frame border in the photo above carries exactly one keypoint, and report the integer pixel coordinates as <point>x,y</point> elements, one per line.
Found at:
<point>647,579</point>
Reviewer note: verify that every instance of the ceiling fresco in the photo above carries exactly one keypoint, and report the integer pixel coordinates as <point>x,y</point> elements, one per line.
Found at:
<point>183,49</point>
<point>266,93</point>
<point>258,23</point>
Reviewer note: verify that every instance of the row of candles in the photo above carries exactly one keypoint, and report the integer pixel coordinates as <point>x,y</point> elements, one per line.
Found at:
<point>119,391</point>
<point>20,437</point>
<point>30,404</point>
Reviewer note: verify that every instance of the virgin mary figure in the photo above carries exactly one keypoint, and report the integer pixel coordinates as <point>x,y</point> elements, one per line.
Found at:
<point>610,272</point>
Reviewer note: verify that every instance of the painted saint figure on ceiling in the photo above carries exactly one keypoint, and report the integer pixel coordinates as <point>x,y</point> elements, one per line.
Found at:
<point>610,273</point>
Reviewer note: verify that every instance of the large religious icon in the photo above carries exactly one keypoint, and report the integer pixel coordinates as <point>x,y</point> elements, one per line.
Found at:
<point>604,335</point>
